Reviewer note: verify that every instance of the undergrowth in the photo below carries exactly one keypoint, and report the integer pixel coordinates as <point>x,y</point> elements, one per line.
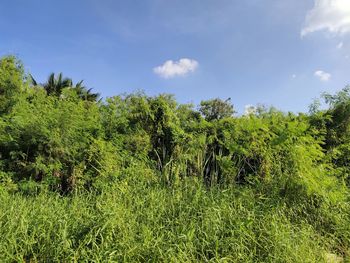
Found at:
<point>140,221</point>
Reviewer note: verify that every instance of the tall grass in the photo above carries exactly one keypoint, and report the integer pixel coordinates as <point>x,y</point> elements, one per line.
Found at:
<point>139,221</point>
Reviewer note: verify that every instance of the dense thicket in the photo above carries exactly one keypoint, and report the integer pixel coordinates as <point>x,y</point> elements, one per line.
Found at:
<point>58,137</point>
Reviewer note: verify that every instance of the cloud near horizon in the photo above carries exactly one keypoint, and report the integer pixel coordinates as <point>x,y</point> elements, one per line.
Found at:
<point>171,69</point>
<point>323,76</point>
<point>328,15</point>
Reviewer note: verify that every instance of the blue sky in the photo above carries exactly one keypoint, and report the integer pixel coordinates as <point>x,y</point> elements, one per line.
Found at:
<point>276,52</point>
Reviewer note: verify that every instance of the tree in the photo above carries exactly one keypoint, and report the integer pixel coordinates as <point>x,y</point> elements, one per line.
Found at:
<point>216,109</point>
<point>338,131</point>
<point>55,85</point>
<point>84,93</point>
<point>11,82</point>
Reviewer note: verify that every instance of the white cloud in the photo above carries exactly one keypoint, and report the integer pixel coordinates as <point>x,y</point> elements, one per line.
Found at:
<point>323,76</point>
<point>340,45</point>
<point>172,69</point>
<point>294,76</point>
<point>330,15</point>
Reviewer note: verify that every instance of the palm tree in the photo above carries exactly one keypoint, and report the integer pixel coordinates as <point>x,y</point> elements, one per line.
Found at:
<point>55,85</point>
<point>33,81</point>
<point>84,93</point>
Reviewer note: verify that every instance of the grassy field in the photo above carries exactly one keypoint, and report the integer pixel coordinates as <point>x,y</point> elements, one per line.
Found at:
<point>138,221</point>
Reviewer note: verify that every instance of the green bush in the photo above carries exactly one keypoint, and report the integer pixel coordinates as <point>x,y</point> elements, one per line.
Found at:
<point>137,178</point>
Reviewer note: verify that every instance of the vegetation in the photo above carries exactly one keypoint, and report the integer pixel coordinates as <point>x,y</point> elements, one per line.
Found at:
<point>135,178</point>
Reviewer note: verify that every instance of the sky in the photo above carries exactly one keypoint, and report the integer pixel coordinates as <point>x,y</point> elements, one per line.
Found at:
<point>283,53</point>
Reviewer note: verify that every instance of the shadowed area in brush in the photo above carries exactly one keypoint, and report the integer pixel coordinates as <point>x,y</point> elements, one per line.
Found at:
<point>138,178</point>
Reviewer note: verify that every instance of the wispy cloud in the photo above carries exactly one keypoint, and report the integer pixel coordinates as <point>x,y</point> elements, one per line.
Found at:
<point>329,15</point>
<point>172,68</point>
<point>340,45</point>
<point>323,76</point>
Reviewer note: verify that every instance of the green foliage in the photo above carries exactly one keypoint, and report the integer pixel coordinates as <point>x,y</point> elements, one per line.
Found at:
<point>51,139</point>
<point>144,178</point>
<point>11,82</point>
<point>55,86</point>
<point>138,221</point>
<point>334,124</point>
<point>216,109</point>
